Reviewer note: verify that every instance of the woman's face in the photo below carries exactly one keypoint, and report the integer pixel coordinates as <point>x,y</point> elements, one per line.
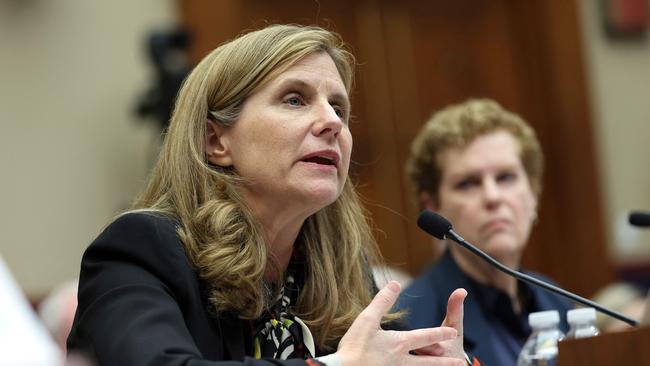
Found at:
<point>292,142</point>
<point>485,193</point>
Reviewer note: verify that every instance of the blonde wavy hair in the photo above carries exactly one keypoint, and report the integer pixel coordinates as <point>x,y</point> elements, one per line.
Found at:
<point>221,237</point>
<point>456,126</point>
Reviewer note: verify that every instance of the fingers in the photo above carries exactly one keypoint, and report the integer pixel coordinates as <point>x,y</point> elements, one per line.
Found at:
<point>431,350</point>
<point>435,361</point>
<point>381,304</point>
<point>426,337</point>
<point>366,340</point>
<point>454,317</point>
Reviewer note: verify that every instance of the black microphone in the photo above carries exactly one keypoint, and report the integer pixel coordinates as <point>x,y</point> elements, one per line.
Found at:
<point>640,219</point>
<point>441,228</point>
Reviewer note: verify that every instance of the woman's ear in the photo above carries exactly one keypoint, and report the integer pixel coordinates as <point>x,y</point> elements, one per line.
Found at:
<point>427,202</point>
<point>216,146</point>
<point>535,205</point>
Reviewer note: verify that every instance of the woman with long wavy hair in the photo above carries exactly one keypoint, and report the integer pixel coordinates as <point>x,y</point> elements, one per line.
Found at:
<point>249,244</point>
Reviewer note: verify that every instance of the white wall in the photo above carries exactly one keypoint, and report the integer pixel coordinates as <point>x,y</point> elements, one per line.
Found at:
<point>619,74</point>
<point>71,152</point>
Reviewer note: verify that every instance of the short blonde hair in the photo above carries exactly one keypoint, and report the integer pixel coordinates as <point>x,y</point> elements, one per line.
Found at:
<point>456,126</point>
<point>221,237</point>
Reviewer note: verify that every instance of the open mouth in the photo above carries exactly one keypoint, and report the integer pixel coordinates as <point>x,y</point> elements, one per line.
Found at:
<point>322,160</point>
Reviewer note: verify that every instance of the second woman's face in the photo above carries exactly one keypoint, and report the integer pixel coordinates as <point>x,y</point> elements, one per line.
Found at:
<point>485,193</point>
<point>292,143</point>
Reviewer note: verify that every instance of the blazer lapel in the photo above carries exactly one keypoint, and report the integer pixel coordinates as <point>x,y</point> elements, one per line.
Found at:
<point>475,331</point>
<point>475,325</point>
<point>233,334</point>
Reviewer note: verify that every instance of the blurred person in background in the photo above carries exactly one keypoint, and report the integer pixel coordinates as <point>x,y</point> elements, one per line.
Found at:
<point>249,245</point>
<point>23,338</point>
<point>57,310</point>
<point>623,297</point>
<point>480,166</point>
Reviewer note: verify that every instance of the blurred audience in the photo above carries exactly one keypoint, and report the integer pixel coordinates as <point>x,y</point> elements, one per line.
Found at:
<point>23,339</point>
<point>57,311</point>
<point>623,297</point>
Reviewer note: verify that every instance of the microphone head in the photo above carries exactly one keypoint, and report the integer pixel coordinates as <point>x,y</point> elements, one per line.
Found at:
<point>640,219</point>
<point>434,224</point>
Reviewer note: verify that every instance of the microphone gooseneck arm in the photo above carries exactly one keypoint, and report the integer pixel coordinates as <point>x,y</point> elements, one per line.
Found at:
<point>440,228</point>
<point>534,281</point>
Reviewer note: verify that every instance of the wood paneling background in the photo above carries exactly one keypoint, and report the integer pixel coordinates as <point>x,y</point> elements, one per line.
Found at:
<point>418,56</point>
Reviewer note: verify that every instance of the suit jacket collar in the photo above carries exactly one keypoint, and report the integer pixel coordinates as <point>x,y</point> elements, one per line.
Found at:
<point>475,325</point>
<point>233,331</point>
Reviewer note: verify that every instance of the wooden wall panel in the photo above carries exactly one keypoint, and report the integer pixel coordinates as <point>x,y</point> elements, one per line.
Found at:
<point>569,243</point>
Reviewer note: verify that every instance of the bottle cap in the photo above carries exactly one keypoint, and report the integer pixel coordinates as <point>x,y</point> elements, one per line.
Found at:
<point>582,315</point>
<point>544,318</point>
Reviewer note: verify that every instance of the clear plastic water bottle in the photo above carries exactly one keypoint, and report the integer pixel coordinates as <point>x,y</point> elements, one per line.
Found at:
<point>582,323</point>
<point>541,347</point>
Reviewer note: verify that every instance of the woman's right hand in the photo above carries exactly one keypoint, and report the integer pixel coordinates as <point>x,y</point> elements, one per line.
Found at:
<point>365,343</point>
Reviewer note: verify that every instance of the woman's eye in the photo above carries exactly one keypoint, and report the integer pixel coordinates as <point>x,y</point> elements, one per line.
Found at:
<point>339,112</point>
<point>294,101</point>
<point>465,184</point>
<point>507,177</point>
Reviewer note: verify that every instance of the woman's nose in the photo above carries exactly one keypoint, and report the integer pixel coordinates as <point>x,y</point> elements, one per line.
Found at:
<point>491,191</point>
<point>327,122</point>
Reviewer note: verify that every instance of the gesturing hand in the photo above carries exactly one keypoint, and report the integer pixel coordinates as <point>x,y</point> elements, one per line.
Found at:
<point>365,343</point>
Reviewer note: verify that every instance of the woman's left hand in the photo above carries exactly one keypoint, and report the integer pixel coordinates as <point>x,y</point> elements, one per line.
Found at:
<point>366,343</point>
<point>454,319</point>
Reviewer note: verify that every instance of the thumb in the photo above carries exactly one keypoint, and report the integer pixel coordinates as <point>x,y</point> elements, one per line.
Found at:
<point>455,310</point>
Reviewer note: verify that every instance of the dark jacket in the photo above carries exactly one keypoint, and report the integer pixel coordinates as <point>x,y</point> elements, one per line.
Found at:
<point>142,303</point>
<point>426,302</point>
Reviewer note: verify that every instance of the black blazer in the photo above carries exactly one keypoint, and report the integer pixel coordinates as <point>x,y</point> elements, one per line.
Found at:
<point>426,302</point>
<point>141,303</point>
